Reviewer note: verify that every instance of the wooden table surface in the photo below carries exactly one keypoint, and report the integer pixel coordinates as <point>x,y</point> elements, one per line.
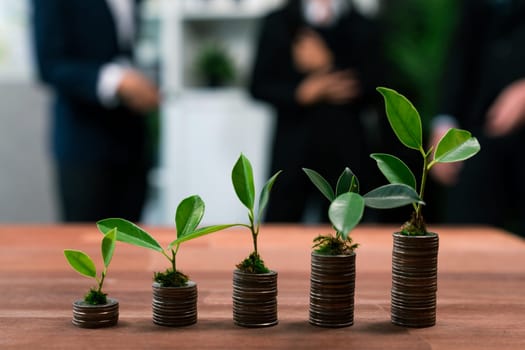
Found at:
<point>481,296</point>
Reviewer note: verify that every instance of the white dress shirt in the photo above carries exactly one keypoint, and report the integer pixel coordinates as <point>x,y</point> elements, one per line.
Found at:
<point>323,13</point>
<point>111,74</point>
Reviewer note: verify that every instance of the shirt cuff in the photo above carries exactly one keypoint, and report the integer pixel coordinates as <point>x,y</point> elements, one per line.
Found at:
<point>109,80</point>
<point>444,121</point>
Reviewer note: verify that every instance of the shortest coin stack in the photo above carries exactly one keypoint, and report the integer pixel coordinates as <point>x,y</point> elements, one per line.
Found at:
<point>95,316</point>
<point>175,306</point>
<point>332,285</point>
<point>255,299</point>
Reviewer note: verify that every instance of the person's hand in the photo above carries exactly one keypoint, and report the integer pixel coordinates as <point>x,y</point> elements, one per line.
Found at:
<point>137,92</point>
<point>310,53</point>
<point>508,110</point>
<point>444,173</point>
<point>332,87</point>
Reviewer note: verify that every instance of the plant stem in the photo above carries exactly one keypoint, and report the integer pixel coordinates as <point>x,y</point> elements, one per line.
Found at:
<point>101,282</point>
<point>422,190</point>
<point>416,224</point>
<point>255,231</point>
<point>174,255</point>
<point>423,183</point>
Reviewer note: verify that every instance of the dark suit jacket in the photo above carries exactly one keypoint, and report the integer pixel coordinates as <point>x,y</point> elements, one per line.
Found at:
<point>487,55</point>
<point>321,135</point>
<point>73,39</point>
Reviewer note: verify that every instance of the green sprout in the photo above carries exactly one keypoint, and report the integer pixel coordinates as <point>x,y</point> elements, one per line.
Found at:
<point>456,145</point>
<point>243,183</point>
<point>347,207</point>
<point>84,265</point>
<point>188,216</point>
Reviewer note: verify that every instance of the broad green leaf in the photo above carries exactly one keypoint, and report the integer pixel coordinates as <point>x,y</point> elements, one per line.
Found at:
<point>128,232</point>
<point>391,196</point>
<point>321,184</point>
<point>265,194</point>
<point>200,232</point>
<point>347,182</point>
<point>188,215</point>
<point>81,262</point>
<point>346,211</point>
<point>394,169</point>
<point>403,118</point>
<point>108,246</point>
<point>456,145</point>
<point>242,179</point>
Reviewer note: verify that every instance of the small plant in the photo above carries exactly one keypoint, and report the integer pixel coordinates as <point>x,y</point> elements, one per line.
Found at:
<point>214,65</point>
<point>187,218</point>
<point>456,145</point>
<point>243,183</point>
<point>83,264</point>
<point>347,207</point>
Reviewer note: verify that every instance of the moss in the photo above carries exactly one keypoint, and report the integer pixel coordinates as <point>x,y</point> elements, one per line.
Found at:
<point>415,226</point>
<point>253,264</point>
<point>333,245</point>
<point>170,278</point>
<point>95,297</point>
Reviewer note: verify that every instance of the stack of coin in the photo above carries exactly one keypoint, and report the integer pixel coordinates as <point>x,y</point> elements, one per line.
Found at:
<point>255,299</point>
<point>414,280</point>
<point>175,306</point>
<point>95,316</point>
<point>332,285</point>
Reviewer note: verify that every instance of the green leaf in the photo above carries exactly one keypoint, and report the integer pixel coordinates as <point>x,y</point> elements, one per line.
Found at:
<point>265,194</point>
<point>394,169</point>
<point>108,246</point>
<point>346,211</point>
<point>189,214</point>
<point>391,196</point>
<point>456,145</point>
<point>128,232</point>
<point>242,179</point>
<point>81,262</point>
<point>321,184</point>
<point>403,118</point>
<point>347,182</point>
<point>200,232</point>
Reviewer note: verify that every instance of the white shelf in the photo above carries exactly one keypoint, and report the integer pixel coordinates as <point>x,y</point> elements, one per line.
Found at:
<point>204,132</point>
<point>206,10</point>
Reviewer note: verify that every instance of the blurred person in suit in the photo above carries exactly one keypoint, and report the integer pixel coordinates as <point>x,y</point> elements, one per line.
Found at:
<point>484,92</point>
<point>316,64</point>
<point>84,53</point>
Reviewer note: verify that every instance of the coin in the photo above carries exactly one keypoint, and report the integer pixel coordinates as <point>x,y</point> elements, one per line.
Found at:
<point>95,316</point>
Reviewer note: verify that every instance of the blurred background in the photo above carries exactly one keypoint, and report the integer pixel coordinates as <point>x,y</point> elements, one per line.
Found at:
<point>202,125</point>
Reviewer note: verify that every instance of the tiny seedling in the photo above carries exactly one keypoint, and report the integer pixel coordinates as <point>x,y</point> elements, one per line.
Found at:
<point>83,264</point>
<point>456,145</point>
<point>243,183</point>
<point>188,216</point>
<point>347,207</point>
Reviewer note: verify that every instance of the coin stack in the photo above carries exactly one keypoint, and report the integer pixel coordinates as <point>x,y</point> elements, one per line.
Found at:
<point>95,316</point>
<point>414,280</point>
<point>332,285</point>
<point>255,299</point>
<point>175,306</point>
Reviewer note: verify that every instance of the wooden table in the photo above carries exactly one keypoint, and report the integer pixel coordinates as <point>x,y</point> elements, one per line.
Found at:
<point>481,297</point>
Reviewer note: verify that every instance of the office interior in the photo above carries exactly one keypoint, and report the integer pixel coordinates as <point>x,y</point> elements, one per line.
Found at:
<point>216,124</point>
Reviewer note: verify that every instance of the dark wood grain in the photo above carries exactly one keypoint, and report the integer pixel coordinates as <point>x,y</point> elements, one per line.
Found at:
<point>481,291</point>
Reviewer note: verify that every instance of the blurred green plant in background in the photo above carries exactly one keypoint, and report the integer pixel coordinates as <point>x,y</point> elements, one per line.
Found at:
<point>214,65</point>
<point>416,45</point>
